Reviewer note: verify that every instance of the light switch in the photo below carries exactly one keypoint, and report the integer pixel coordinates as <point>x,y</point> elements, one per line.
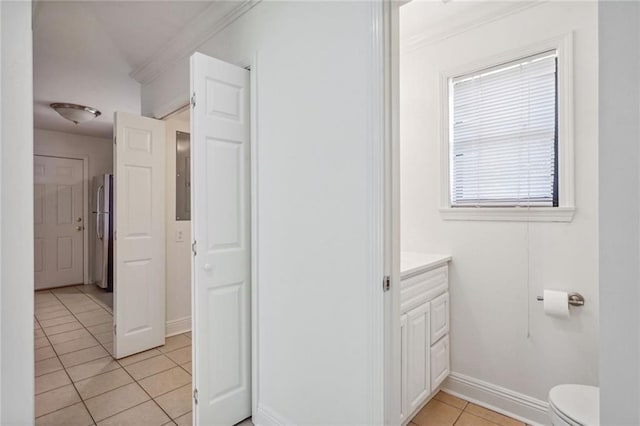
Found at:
<point>179,236</point>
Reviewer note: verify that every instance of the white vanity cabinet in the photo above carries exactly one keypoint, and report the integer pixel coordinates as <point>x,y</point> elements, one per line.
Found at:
<point>424,323</point>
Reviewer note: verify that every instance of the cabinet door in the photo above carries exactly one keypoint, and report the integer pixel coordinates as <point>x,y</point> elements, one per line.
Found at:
<point>418,383</point>
<point>439,317</point>
<point>403,368</point>
<point>439,362</point>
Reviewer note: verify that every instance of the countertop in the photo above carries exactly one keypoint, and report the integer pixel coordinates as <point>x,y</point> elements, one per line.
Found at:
<point>412,263</point>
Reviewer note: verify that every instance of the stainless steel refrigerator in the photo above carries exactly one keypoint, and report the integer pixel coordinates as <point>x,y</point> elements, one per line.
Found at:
<point>103,220</point>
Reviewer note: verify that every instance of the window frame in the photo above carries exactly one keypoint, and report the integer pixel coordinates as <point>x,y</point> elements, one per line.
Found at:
<point>565,210</point>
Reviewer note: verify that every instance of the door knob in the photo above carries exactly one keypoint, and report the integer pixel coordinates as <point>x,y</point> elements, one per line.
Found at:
<point>207,267</point>
<point>79,228</point>
<point>79,219</point>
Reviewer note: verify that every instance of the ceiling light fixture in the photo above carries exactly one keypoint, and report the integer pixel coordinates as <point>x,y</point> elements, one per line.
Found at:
<point>75,113</point>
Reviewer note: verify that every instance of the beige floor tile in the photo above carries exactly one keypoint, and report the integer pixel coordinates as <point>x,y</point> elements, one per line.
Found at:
<point>245,422</point>
<point>166,381</point>
<point>175,342</point>
<point>180,356</point>
<point>75,345</point>
<point>74,415</point>
<point>85,307</point>
<point>47,366</point>
<point>467,419</point>
<point>177,402</point>
<point>188,334</point>
<point>149,367</point>
<point>62,328</point>
<point>56,399</point>
<point>104,337</point>
<point>139,357</point>
<point>52,315</point>
<point>451,400</point>
<point>96,385</point>
<point>185,420</point>
<point>36,325</point>
<point>100,328</point>
<point>437,413</point>
<point>147,414</point>
<point>40,342</point>
<point>85,355</point>
<point>69,336</point>
<point>187,366</point>
<point>38,333</point>
<point>116,401</point>
<point>108,347</point>
<point>492,416</point>
<point>94,318</point>
<point>44,353</point>
<point>56,321</point>
<point>47,382</point>
<point>92,368</point>
<point>39,311</point>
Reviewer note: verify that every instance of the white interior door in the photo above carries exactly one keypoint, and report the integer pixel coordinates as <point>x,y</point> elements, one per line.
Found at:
<point>221,228</point>
<point>58,221</point>
<point>139,246</point>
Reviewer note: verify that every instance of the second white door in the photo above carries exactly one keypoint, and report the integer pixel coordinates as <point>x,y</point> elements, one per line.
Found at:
<point>221,227</point>
<point>58,221</point>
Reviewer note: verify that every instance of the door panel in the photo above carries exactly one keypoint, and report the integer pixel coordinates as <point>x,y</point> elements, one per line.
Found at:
<point>58,221</point>
<point>220,220</point>
<point>418,366</point>
<point>139,194</point>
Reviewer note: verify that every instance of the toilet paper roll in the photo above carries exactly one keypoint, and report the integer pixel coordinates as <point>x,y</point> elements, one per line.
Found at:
<point>556,303</point>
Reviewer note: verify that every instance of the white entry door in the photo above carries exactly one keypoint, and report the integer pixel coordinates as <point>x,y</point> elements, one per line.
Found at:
<point>221,228</point>
<point>58,221</point>
<point>139,226</point>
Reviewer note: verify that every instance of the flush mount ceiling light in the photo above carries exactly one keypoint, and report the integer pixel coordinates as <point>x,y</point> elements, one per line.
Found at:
<point>76,113</point>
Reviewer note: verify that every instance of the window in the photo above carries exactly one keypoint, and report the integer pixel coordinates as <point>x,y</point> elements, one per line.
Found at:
<point>507,136</point>
<point>504,135</point>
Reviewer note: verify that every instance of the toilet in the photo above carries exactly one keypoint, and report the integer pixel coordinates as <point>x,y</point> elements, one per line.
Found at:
<point>574,405</point>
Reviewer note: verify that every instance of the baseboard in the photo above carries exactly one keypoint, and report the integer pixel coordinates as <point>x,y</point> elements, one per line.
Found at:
<point>265,416</point>
<point>177,326</point>
<point>521,407</point>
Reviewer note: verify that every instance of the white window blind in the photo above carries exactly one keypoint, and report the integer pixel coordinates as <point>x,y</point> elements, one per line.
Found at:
<point>503,135</point>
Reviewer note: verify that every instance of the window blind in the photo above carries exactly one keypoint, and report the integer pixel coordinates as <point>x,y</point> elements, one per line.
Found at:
<point>503,134</point>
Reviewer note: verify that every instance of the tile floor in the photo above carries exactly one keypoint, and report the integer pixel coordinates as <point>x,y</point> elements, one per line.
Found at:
<point>79,383</point>
<point>448,410</point>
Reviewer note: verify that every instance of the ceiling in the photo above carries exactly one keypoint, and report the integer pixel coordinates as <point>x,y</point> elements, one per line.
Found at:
<point>85,51</point>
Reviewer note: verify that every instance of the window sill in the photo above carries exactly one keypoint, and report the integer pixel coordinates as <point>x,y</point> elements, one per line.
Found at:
<point>509,214</point>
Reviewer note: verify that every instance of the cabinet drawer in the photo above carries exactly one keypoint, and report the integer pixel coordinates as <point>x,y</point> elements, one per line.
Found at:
<point>439,362</point>
<point>439,317</point>
<point>420,288</point>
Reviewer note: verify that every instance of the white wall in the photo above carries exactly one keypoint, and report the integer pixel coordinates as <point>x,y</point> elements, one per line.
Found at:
<point>16,215</point>
<point>100,155</point>
<point>178,269</point>
<point>499,332</point>
<point>316,350</point>
<point>619,29</point>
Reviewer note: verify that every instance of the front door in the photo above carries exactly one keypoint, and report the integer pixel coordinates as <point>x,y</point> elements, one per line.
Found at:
<point>58,221</point>
<point>139,234</point>
<point>220,180</point>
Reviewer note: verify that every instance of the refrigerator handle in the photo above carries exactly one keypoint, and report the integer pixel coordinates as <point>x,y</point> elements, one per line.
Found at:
<point>99,212</point>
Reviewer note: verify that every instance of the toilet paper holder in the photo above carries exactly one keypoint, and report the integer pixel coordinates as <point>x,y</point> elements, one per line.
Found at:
<point>575,299</point>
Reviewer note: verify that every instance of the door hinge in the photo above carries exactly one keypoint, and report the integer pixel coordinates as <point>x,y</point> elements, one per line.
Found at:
<point>115,329</point>
<point>193,247</point>
<point>386,283</point>
<point>195,395</point>
<point>115,235</point>
<point>193,100</point>
<point>115,140</point>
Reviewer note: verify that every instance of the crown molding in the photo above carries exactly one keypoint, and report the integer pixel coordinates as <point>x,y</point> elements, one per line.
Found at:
<point>213,20</point>
<point>466,24</point>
